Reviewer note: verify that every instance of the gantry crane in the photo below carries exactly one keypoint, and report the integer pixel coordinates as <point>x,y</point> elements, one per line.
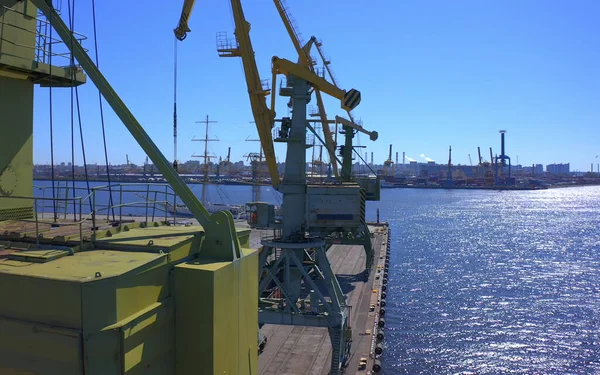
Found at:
<point>349,129</point>
<point>473,170</point>
<point>388,165</point>
<point>306,60</point>
<point>328,210</point>
<point>449,181</point>
<point>370,186</point>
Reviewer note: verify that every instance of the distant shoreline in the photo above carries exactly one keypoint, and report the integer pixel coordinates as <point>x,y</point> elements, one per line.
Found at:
<point>118,179</point>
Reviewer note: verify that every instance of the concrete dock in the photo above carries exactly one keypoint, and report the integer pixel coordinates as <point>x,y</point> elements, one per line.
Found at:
<point>307,350</point>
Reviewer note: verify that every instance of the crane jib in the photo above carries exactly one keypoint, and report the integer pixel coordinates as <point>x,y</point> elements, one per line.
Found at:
<point>351,99</point>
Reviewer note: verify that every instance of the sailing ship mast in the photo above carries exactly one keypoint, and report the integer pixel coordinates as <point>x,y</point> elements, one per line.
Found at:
<point>206,156</point>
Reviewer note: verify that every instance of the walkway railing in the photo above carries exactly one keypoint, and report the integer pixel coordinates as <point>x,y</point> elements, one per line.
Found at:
<point>45,47</point>
<point>115,204</point>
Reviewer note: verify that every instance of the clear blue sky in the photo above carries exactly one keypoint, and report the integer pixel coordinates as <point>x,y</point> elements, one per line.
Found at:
<point>431,73</point>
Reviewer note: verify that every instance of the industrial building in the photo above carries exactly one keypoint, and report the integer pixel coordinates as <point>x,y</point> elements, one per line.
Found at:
<point>557,169</point>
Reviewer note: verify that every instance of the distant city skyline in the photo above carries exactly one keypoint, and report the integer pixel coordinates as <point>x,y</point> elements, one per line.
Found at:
<point>558,167</point>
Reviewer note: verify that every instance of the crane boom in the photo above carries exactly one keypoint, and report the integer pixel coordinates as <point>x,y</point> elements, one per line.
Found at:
<point>182,27</point>
<point>349,99</point>
<point>373,135</point>
<point>305,59</point>
<point>263,116</point>
<point>292,32</point>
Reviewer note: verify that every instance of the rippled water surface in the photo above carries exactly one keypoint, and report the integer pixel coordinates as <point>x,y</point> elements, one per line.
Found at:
<point>493,282</point>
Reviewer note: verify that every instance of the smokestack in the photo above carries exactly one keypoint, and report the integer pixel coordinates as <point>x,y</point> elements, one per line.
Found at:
<point>403,158</point>
<point>372,158</point>
<point>502,142</point>
<point>366,157</point>
<point>396,157</point>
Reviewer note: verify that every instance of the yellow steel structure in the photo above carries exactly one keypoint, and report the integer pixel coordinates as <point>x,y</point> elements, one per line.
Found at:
<point>373,135</point>
<point>182,28</point>
<point>148,299</point>
<point>349,99</point>
<point>242,47</point>
<point>306,60</point>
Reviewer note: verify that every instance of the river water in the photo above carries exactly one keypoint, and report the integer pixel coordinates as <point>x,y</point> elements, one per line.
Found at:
<point>488,282</point>
<point>485,282</point>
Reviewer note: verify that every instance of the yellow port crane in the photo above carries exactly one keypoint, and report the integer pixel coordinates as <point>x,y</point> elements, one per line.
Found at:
<point>305,60</point>
<point>241,46</point>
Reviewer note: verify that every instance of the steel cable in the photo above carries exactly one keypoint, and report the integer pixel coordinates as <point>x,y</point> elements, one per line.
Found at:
<point>110,196</point>
<point>51,125</point>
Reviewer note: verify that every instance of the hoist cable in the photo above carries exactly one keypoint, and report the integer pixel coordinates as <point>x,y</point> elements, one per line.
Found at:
<point>85,170</point>
<point>175,162</point>
<point>72,61</point>
<point>51,125</point>
<point>73,77</point>
<point>110,196</point>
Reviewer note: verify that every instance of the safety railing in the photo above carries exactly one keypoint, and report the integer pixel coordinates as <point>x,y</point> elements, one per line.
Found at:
<point>118,204</point>
<point>46,47</point>
<point>282,134</point>
<point>271,235</point>
<point>37,220</point>
<point>226,45</point>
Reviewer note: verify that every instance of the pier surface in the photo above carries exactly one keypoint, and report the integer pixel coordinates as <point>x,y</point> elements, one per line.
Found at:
<point>307,350</point>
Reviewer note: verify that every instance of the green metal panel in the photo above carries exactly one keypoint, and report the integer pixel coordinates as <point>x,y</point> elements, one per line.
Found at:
<point>18,29</point>
<point>19,69</point>
<point>149,341</point>
<point>49,301</point>
<point>16,151</point>
<point>216,323</point>
<point>33,348</point>
<point>103,355</point>
<point>141,344</point>
<point>120,305</point>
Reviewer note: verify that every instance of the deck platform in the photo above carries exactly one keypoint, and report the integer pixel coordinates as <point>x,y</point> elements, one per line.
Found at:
<point>65,230</point>
<point>289,349</point>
